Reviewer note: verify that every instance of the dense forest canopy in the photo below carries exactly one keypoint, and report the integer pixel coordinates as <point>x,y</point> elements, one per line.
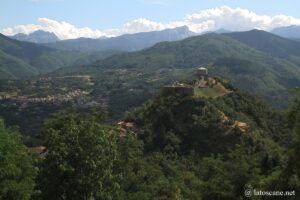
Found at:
<point>172,147</point>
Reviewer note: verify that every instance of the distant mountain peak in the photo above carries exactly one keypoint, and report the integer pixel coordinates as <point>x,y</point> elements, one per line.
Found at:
<point>218,31</point>
<point>39,36</point>
<point>39,32</point>
<point>222,30</point>
<point>182,28</point>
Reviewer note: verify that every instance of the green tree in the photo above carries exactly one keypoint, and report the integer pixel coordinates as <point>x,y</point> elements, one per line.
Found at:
<point>80,160</point>
<point>290,177</point>
<point>225,177</point>
<point>17,170</point>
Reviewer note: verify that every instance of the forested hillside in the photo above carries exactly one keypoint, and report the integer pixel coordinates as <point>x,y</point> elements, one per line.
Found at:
<point>24,60</point>
<point>270,44</point>
<point>248,68</point>
<point>173,147</point>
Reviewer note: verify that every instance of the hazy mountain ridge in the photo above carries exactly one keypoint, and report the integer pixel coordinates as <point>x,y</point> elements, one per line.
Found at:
<point>21,54</point>
<point>287,31</point>
<point>268,43</point>
<point>127,42</point>
<point>24,59</point>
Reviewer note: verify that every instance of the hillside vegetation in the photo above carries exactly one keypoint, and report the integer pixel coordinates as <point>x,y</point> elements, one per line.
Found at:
<point>24,60</point>
<point>122,82</point>
<point>172,147</point>
<point>248,68</point>
<point>255,60</point>
<point>270,44</point>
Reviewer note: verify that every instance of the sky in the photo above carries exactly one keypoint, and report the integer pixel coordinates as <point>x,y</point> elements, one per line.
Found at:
<point>96,18</point>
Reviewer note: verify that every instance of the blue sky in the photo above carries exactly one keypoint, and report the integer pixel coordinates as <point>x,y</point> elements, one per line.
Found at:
<point>100,14</point>
<point>112,13</point>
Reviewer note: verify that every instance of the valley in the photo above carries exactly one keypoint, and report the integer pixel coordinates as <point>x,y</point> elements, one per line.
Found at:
<point>122,82</point>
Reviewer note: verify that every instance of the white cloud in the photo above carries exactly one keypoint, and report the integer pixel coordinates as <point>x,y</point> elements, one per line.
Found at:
<point>235,19</point>
<point>141,25</point>
<point>62,29</point>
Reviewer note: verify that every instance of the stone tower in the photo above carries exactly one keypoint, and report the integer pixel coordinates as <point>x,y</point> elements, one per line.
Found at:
<point>202,73</point>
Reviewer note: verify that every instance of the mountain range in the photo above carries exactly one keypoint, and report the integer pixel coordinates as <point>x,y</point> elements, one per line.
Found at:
<point>42,37</point>
<point>127,42</point>
<point>254,60</point>
<point>20,58</point>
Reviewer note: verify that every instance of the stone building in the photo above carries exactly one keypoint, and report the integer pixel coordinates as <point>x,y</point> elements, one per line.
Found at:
<point>202,73</point>
<point>179,89</point>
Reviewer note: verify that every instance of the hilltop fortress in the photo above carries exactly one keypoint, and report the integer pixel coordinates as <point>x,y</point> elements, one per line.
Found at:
<point>202,86</point>
<point>186,89</point>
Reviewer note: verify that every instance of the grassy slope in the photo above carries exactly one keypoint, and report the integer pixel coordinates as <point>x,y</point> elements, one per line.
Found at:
<point>213,92</point>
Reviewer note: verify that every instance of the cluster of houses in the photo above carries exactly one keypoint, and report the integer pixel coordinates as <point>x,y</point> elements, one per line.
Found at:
<point>50,98</point>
